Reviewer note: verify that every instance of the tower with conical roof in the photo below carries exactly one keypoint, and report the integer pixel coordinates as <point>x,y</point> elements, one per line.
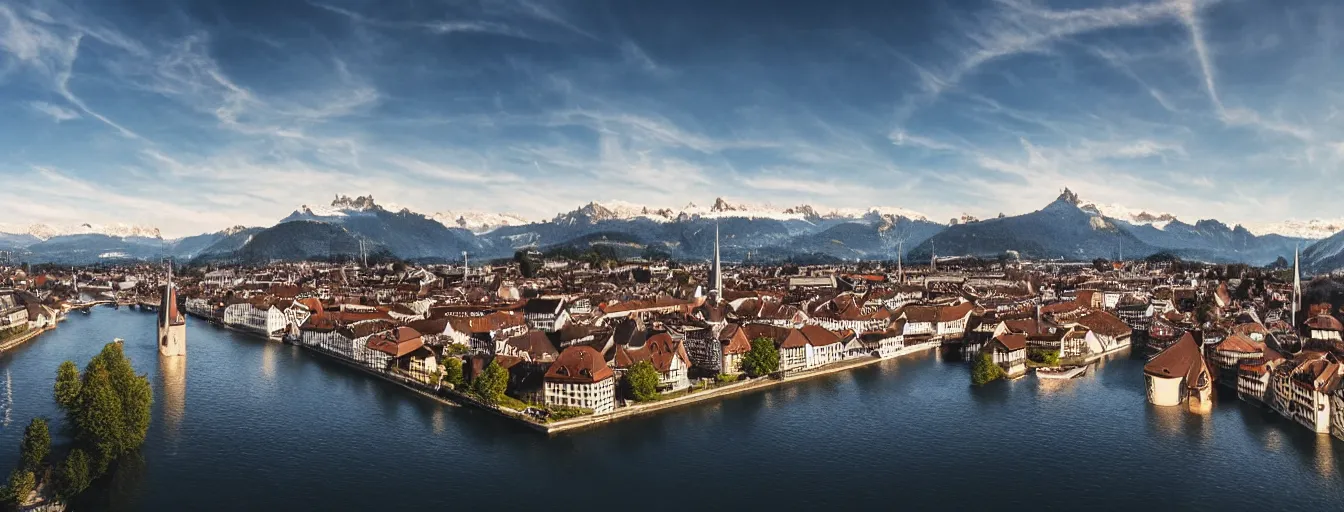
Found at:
<point>172,325</point>
<point>717,278</point>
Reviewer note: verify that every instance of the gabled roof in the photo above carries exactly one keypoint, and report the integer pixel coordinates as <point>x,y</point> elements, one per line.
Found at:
<point>1240,343</point>
<point>396,342</point>
<point>579,364</point>
<point>734,339</point>
<point>1183,360</point>
<point>954,313</point>
<point>1012,342</point>
<point>920,314</point>
<point>1105,324</point>
<point>659,350</point>
<point>814,335</point>
<point>536,345</point>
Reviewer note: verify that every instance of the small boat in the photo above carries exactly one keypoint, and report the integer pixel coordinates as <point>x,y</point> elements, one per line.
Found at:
<point>1067,372</point>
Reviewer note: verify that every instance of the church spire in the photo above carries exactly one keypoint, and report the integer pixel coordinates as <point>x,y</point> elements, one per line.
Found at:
<point>718,264</point>
<point>1297,286</point>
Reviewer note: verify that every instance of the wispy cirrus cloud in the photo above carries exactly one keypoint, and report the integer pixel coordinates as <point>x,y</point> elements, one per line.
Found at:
<point>538,107</point>
<point>56,112</point>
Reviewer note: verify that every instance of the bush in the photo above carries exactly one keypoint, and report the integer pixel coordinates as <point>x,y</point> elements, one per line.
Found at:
<point>985,371</point>
<point>1045,357</point>
<point>724,378</point>
<point>762,359</point>
<point>642,380</point>
<point>564,412</point>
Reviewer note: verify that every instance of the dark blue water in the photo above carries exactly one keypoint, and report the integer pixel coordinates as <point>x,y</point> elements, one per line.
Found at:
<point>253,425</point>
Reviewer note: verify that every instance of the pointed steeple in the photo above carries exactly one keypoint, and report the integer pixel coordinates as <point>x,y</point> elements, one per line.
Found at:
<point>1297,285</point>
<point>718,264</point>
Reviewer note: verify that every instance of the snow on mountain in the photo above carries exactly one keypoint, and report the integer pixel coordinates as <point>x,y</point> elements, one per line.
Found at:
<point>613,210</point>
<point>1314,229</point>
<point>478,222</point>
<point>723,209</point>
<point>1130,215</point>
<point>341,206</point>
<point>47,231</point>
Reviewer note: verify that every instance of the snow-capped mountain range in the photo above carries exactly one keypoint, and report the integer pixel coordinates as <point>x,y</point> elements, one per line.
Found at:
<point>478,222</point>
<point>763,229</point>
<point>723,208</point>
<point>49,231</point>
<point>481,222</point>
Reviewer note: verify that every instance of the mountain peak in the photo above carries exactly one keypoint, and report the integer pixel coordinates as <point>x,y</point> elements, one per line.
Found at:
<point>361,203</point>
<point>1068,196</point>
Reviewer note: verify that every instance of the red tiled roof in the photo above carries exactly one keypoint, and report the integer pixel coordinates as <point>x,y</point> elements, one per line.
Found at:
<point>1240,343</point>
<point>396,342</point>
<point>1012,342</point>
<point>579,364</point>
<point>659,350</point>
<point>734,339</point>
<point>1183,359</point>
<point>1105,324</point>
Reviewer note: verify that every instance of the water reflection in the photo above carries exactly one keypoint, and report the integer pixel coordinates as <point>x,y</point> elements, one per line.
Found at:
<point>1325,455</point>
<point>268,360</point>
<point>439,421</point>
<point>1167,421</point>
<point>1056,388</point>
<point>173,372</point>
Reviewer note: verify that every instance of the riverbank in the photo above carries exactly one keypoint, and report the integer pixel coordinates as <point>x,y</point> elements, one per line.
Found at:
<point>11,343</point>
<point>747,386</point>
<point>454,398</point>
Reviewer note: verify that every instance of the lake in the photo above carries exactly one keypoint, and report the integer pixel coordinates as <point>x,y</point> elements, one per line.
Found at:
<point>246,424</point>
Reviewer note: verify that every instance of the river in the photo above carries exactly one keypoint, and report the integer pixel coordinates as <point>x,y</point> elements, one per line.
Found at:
<point>246,424</point>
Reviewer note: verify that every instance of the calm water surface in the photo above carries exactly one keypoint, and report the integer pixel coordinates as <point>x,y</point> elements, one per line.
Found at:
<point>245,424</point>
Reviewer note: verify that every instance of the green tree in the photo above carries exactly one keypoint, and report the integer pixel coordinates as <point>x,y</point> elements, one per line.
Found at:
<point>67,386</point>
<point>21,484</point>
<point>36,445</point>
<point>489,386</point>
<point>643,381</point>
<point>112,414</point>
<point>452,371</point>
<point>985,371</point>
<point>762,359</point>
<point>74,475</point>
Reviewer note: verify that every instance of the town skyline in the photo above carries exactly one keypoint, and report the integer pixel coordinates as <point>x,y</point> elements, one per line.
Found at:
<point>199,116</point>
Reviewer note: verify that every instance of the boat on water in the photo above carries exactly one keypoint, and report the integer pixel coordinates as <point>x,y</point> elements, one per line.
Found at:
<point>1067,372</point>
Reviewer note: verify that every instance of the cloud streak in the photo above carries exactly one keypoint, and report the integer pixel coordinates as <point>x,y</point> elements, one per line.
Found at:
<point>539,107</point>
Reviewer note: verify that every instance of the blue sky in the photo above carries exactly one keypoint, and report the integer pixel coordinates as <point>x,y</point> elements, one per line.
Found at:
<point>194,116</point>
